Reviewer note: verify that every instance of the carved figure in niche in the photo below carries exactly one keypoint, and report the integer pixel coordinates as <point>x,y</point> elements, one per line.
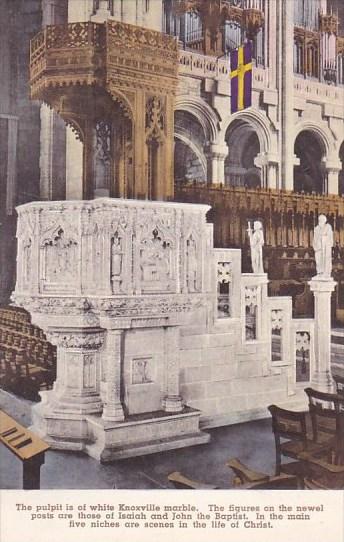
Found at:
<point>322,244</point>
<point>102,152</point>
<point>256,238</point>
<point>155,259</point>
<point>60,258</point>
<point>191,264</point>
<point>116,262</point>
<point>27,243</point>
<point>154,118</point>
<point>141,371</point>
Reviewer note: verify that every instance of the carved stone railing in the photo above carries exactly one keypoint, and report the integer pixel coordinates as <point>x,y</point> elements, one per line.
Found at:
<point>67,54</point>
<point>203,66</point>
<point>302,332</point>
<point>194,64</point>
<point>319,92</point>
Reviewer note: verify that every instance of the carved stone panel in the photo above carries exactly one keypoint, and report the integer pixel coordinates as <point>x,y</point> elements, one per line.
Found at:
<point>251,312</point>
<point>59,262</point>
<point>224,289</point>
<point>276,335</point>
<point>302,354</point>
<point>109,248</point>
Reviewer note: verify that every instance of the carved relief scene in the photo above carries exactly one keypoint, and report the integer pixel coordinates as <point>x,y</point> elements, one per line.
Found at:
<point>156,263</point>
<point>59,261</point>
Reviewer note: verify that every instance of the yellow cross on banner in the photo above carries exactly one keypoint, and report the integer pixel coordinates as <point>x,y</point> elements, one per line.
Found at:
<point>240,73</point>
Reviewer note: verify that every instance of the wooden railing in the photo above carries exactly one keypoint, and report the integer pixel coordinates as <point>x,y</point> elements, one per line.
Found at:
<point>288,217</point>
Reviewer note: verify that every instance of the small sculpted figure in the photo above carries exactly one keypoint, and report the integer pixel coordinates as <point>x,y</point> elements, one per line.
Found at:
<point>256,238</point>
<point>322,244</point>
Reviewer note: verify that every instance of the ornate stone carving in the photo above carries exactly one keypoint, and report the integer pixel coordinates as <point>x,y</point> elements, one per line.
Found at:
<point>155,262</point>
<point>155,118</point>
<point>69,61</point>
<point>191,265</point>
<point>108,247</point>
<point>302,355</point>
<point>89,371</point>
<point>116,263</point>
<point>27,260</point>
<point>224,280</point>
<point>102,155</point>
<point>142,370</point>
<point>73,306</point>
<point>251,296</point>
<point>157,305</point>
<point>59,259</point>
<point>91,340</point>
<point>276,319</point>
<point>302,340</point>
<point>224,272</point>
<point>253,21</point>
<point>328,23</point>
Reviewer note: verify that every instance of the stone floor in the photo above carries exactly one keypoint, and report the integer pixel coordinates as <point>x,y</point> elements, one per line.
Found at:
<point>251,442</point>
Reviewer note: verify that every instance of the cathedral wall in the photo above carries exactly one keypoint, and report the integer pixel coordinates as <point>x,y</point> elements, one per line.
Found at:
<point>19,126</point>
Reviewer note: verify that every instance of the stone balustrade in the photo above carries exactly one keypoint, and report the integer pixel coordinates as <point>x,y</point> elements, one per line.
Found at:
<point>194,64</point>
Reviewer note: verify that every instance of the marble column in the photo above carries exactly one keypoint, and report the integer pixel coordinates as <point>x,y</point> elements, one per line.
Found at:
<point>286,91</point>
<point>322,290</point>
<point>52,160</point>
<point>76,388</point>
<point>52,155</point>
<point>11,173</point>
<point>79,10</point>
<point>172,401</point>
<point>333,179</point>
<point>74,166</point>
<point>261,162</point>
<point>117,10</point>
<point>129,12</point>
<point>113,410</point>
<point>216,155</point>
<point>102,13</point>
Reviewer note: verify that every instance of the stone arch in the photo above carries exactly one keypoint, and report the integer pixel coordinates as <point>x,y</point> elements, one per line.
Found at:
<point>205,115</point>
<point>126,106</point>
<point>310,150</point>
<point>323,135</point>
<point>257,121</point>
<point>245,143</point>
<point>185,152</point>
<point>190,145</point>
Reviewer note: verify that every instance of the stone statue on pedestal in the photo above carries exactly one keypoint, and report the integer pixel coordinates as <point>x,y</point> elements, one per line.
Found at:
<point>322,244</point>
<point>256,237</point>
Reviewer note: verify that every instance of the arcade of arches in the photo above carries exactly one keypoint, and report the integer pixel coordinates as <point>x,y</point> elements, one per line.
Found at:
<point>288,217</point>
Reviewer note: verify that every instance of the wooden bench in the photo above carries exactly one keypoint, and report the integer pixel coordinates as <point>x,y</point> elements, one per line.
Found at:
<point>26,446</point>
<point>182,482</point>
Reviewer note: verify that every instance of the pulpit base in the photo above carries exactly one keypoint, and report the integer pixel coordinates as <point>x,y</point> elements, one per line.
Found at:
<point>144,434</point>
<point>107,441</point>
